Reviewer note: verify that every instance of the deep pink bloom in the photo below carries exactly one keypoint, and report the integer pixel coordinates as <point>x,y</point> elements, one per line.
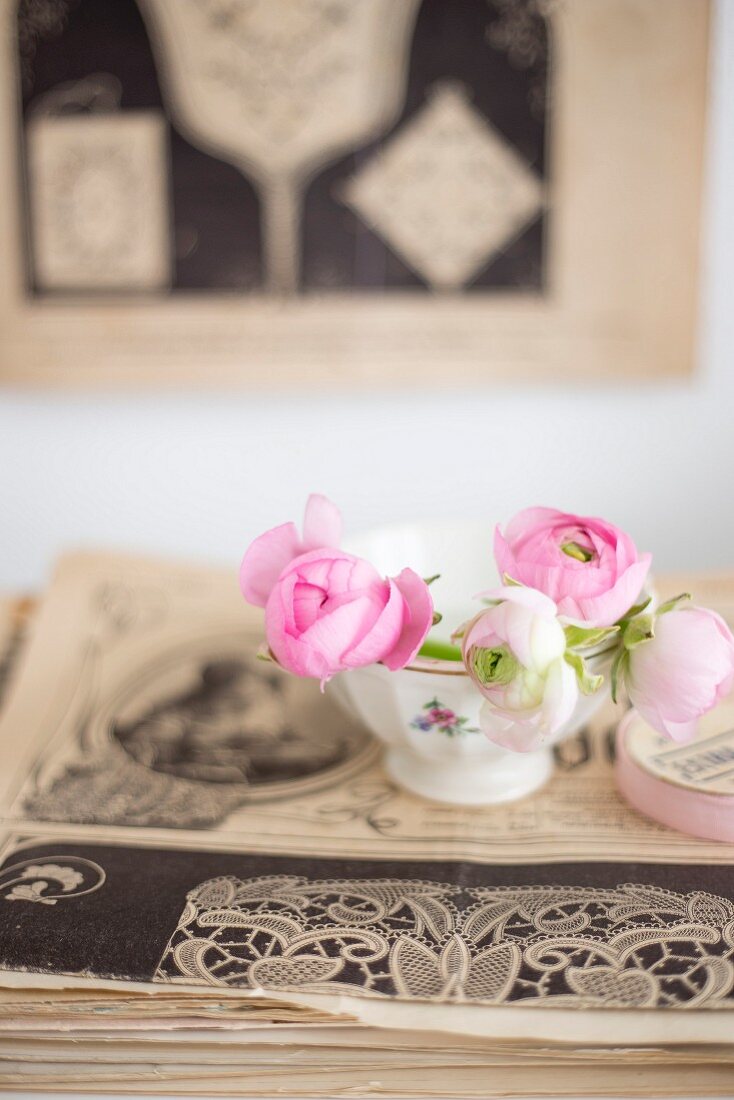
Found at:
<point>682,672</point>
<point>589,568</point>
<point>330,611</point>
<point>269,554</point>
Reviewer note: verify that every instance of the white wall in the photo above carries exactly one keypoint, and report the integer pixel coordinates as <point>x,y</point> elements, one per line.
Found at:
<point>197,476</point>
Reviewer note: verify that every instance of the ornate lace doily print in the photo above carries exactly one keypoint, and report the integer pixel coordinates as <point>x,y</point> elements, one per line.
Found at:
<point>631,946</point>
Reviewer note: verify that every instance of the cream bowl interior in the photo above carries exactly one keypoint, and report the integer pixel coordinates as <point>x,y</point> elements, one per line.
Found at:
<point>460,552</point>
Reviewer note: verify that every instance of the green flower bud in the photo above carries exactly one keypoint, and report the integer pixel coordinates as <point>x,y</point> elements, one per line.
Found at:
<point>494,666</point>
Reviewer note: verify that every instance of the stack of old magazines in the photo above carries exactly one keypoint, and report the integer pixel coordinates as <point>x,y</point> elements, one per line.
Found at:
<point>209,885</point>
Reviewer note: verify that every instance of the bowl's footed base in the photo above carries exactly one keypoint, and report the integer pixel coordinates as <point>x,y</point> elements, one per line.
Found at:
<point>470,783</point>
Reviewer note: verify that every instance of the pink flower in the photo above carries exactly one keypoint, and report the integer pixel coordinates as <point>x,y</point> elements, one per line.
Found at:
<point>270,553</point>
<point>682,672</point>
<point>514,652</point>
<point>329,611</point>
<point>439,714</point>
<point>590,568</point>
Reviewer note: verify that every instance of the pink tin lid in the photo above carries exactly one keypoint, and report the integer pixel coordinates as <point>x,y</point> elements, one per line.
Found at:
<point>687,787</point>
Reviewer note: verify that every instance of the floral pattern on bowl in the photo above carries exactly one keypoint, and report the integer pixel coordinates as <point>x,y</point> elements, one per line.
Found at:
<point>436,716</point>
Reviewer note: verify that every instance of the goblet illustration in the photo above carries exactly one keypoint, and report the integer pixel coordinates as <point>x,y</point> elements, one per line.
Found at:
<point>279,88</point>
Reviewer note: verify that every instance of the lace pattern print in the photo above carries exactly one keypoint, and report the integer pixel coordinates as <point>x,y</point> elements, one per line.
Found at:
<point>629,946</point>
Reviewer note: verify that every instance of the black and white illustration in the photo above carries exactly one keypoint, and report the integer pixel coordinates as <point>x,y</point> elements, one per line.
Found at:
<point>333,191</point>
<point>285,146</point>
<point>204,731</point>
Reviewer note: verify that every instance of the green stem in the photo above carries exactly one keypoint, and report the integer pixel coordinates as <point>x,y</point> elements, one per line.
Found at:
<point>444,651</point>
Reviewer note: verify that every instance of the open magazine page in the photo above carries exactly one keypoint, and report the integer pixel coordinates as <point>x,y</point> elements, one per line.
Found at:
<point>178,815</point>
<point>15,614</point>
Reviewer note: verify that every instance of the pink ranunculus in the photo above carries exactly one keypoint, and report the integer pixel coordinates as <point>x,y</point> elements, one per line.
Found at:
<point>682,672</point>
<point>514,653</point>
<point>330,611</point>
<point>590,568</point>
<point>269,554</point>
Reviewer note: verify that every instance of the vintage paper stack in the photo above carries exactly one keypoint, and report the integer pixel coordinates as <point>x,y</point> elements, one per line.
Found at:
<point>208,884</point>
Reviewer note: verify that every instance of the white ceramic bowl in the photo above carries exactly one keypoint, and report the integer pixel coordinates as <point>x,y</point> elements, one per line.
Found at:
<point>428,714</point>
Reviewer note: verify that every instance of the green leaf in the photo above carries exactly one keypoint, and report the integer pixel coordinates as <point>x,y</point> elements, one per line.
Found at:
<point>437,616</point>
<point>636,610</point>
<point>671,604</point>
<point>430,580</point>
<point>638,631</point>
<point>588,683</point>
<point>584,637</point>
<point>617,664</point>
<point>264,654</point>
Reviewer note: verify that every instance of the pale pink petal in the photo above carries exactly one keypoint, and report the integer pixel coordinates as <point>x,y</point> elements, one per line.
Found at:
<point>417,619</point>
<point>684,670</point>
<point>264,561</point>
<point>728,647</point>
<point>322,523</point>
<point>480,631</point>
<point>682,731</point>
<point>514,624</point>
<point>679,731</point>
<point>560,697</point>
<point>531,598</point>
<point>513,734</point>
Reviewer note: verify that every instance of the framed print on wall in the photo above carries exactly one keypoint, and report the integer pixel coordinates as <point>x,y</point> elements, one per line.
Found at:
<point>358,192</point>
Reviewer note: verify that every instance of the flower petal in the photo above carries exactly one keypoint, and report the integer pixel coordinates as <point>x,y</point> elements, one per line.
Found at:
<point>383,632</point>
<point>560,698</point>
<point>608,607</point>
<point>264,561</point>
<point>531,598</point>
<point>530,519</point>
<point>332,634</point>
<point>679,731</point>
<point>308,600</point>
<point>288,650</point>
<point>417,618</point>
<point>322,523</point>
<point>513,734</point>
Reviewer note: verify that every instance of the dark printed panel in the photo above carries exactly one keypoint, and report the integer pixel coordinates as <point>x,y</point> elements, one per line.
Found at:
<point>446,191</point>
<point>595,935</point>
